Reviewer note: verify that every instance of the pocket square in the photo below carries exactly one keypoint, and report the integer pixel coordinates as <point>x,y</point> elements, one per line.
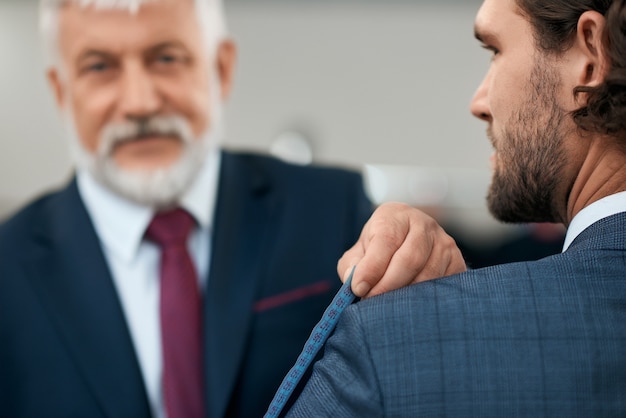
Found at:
<point>293,295</point>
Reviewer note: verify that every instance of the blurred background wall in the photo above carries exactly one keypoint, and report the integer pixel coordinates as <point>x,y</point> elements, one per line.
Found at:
<point>379,84</point>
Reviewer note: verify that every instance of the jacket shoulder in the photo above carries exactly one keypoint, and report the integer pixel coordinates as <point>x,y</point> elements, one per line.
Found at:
<point>15,230</point>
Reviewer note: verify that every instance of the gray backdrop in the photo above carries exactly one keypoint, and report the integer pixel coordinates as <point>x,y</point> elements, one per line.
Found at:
<point>368,82</point>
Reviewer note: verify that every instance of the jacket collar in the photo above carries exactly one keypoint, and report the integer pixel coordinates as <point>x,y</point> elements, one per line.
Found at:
<point>244,219</point>
<point>72,279</point>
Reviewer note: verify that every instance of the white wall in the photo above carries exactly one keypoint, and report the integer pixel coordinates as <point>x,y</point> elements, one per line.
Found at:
<point>368,82</point>
<point>378,82</point>
<point>33,154</point>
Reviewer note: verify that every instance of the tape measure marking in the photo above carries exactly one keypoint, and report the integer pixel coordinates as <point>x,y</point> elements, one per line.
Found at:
<point>316,340</point>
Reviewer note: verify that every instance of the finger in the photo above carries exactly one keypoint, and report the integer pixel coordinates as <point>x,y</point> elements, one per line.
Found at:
<point>405,265</point>
<point>348,260</point>
<point>383,235</point>
<point>457,264</point>
<point>434,268</point>
<point>428,253</point>
<point>374,263</point>
<point>445,259</point>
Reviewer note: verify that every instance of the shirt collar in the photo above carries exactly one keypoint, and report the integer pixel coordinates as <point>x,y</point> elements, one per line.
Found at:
<point>591,214</point>
<point>121,223</point>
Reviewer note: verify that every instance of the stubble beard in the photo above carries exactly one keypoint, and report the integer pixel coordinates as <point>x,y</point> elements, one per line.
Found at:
<point>530,157</point>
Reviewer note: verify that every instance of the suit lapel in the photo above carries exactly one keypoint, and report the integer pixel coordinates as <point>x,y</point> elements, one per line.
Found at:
<point>243,219</point>
<point>72,279</point>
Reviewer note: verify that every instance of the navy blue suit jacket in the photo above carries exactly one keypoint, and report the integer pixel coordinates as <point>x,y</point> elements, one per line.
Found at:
<point>65,348</point>
<point>532,339</point>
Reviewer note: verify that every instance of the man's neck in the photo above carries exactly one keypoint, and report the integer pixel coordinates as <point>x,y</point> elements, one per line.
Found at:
<point>602,173</point>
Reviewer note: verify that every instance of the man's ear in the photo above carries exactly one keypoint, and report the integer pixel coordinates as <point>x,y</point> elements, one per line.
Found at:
<point>593,63</point>
<point>54,80</point>
<point>226,58</point>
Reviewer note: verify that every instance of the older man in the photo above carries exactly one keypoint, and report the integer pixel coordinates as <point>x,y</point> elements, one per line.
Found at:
<point>544,338</point>
<point>168,278</point>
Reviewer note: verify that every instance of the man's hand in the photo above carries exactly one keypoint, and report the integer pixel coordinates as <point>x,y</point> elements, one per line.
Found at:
<point>398,246</point>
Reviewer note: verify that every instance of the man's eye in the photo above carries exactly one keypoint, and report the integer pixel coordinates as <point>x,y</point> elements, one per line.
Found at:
<point>97,67</point>
<point>167,59</point>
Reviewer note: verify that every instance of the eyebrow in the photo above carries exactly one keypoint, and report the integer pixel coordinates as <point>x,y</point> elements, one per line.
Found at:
<point>165,45</point>
<point>92,53</point>
<point>98,53</point>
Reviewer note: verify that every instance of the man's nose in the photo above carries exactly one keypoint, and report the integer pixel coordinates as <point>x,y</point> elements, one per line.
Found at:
<point>139,94</point>
<point>480,102</point>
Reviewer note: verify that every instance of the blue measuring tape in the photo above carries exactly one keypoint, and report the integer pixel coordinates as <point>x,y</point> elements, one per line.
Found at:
<point>318,337</point>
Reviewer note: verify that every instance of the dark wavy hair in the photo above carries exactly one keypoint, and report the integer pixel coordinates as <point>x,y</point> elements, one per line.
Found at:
<point>555,23</point>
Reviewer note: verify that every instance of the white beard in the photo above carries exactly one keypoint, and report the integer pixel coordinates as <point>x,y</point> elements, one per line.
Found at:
<point>158,188</point>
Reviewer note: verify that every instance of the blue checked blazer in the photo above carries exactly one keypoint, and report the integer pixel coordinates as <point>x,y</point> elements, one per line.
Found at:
<point>532,339</point>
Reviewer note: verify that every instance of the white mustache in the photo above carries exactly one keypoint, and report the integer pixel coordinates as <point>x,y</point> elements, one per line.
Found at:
<point>116,133</point>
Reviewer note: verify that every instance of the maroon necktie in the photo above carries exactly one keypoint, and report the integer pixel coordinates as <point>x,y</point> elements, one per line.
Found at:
<point>180,311</point>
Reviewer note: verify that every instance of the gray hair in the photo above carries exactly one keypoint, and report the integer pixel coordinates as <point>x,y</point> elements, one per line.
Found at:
<point>210,14</point>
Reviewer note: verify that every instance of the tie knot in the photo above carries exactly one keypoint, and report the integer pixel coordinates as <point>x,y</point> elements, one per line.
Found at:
<point>170,228</point>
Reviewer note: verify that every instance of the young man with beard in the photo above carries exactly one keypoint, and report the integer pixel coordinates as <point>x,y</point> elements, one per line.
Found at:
<point>169,278</point>
<point>544,338</point>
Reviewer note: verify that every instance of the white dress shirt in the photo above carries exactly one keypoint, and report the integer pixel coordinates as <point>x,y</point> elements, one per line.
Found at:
<point>134,262</point>
<point>603,208</point>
